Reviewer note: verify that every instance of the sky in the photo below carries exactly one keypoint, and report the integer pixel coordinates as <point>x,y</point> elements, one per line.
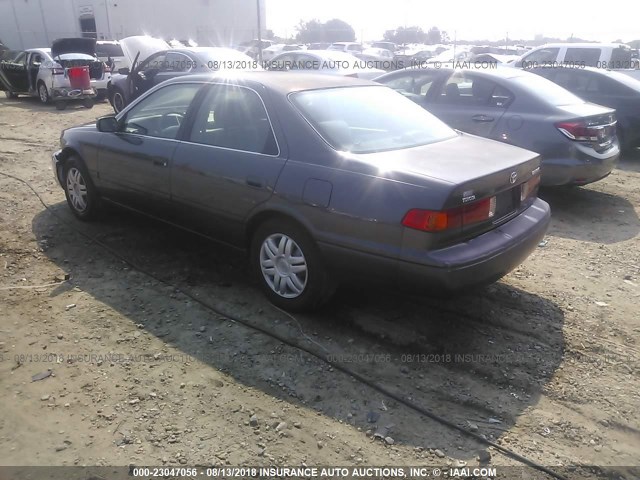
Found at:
<point>468,19</point>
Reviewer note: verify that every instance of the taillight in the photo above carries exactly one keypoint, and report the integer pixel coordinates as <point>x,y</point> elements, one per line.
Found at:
<point>529,188</point>
<point>581,131</point>
<point>107,68</point>
<point>57,71</point>
<point>437,221</point>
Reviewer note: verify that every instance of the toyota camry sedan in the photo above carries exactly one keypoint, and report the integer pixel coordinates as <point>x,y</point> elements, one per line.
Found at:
<point>318,177</point>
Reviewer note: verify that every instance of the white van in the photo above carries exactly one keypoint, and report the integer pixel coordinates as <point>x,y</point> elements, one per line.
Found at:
<point>611,56</point>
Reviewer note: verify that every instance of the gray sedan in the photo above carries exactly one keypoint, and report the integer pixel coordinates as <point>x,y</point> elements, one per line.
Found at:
<point>577,139</point>
<point>319,177</point>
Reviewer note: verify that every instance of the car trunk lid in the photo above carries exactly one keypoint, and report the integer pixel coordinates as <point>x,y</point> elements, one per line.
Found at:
<point>490,182</point>
<point>62,46</point>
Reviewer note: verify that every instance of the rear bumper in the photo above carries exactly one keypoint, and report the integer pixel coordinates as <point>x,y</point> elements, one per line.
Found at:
<point>67,93</point>
<point>483,259</point>
<point>578,171</point>
<point>479,261</point>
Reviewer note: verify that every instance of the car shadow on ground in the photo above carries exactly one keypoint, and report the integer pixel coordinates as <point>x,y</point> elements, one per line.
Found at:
<point>479,361</point>
<point>34,104</point>
<point>589,215</point>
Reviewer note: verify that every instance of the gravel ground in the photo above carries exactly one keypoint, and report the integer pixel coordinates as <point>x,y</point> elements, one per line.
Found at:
<point>141,370</point>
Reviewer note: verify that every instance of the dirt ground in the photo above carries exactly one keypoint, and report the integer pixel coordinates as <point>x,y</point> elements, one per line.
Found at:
<point>544,363</point>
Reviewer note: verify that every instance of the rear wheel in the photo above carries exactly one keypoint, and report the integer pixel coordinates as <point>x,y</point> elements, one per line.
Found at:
<point>117,100</point>
<point>61,105</point>
<point>289,267</point>
<point>88,103</point>
<point>10,95</point>
<point>43,93</point>
<point>82,196</point>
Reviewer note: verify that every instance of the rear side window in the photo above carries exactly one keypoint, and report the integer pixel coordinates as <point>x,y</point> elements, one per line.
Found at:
<point>418,84</point>
<point>622,58</point>
<point>234,117</point>
<point>589,57</point>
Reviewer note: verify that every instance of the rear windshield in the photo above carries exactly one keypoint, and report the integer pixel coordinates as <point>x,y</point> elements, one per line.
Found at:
<point>546,90</point>
<point>109,50</point>
<point>369,119</point>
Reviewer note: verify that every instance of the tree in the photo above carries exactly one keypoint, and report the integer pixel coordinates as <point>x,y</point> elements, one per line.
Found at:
<point>337,30</point>
<point>310,32</point>
<point>334,30</point>
<point>405,35</point>
<point>434,36</point>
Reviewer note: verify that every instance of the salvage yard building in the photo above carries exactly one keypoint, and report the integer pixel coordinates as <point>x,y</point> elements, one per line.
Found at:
<point>36,23</point>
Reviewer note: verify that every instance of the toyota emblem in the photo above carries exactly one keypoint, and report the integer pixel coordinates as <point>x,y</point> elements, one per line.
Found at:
<point>513,177</point>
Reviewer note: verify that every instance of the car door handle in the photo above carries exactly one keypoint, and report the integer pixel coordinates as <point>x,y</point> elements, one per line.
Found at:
<point>255,182</point>
<point>482,118</point>
<point>160,163</point>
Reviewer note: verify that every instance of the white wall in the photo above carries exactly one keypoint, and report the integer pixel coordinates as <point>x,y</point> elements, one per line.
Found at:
<point>35,23</point>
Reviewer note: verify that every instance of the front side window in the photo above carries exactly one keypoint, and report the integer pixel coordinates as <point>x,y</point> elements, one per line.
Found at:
<point>369,119</point>
<point>161,113</point>
<point>544,55</point>
<point>234,117</point>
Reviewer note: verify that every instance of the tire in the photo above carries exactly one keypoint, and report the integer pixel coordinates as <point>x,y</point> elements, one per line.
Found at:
<point>10,95</point>
<point>61,105</point>
<point>88,103</point>
<point>298,285</point>
<point>43,93</point>
<point>82,196</point>
<point>117,100</point>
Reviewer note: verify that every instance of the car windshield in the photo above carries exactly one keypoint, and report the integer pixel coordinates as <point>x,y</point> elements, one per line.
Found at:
<point>369,119</point>
<point>546,90</point>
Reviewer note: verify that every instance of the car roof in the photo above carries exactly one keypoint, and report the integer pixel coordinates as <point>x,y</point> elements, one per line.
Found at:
<point>583,45</point>
<point>281,82</point>
<point>612,74</point>
<point>499,71</point>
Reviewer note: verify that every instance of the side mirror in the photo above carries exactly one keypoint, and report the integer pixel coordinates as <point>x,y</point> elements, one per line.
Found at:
<point>123,71</point>
<point>107,124</point>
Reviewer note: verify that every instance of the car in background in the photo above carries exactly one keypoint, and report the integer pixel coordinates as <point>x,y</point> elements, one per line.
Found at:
<point>329,62</point>
<point>318,46</point>
<point>392,47</point>
<point>44,72</point>
<point>318,177</point>
<point>577,139</point>
<point>604,87</point>
<point>378,58</point>
<point>110,52</point>
<point>129,84</point>
<point>599,55</point>
<point>496,58</point>
<point>270,52</point>
<point>348,47</point>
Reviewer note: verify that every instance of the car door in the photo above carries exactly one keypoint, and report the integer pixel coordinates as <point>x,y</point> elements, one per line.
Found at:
<point>144,77</point>
<point>470,102</point>
<point>228,163</point>
<point>134,162</point>
<point>14,74</point>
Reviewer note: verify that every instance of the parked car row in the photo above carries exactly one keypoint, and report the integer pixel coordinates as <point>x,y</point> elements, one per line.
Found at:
<point>48,73</point>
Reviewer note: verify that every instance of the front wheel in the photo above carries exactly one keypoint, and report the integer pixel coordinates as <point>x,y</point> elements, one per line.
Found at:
<point>289,267</point>
<point>82,196</point>
<point>117,100</point>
